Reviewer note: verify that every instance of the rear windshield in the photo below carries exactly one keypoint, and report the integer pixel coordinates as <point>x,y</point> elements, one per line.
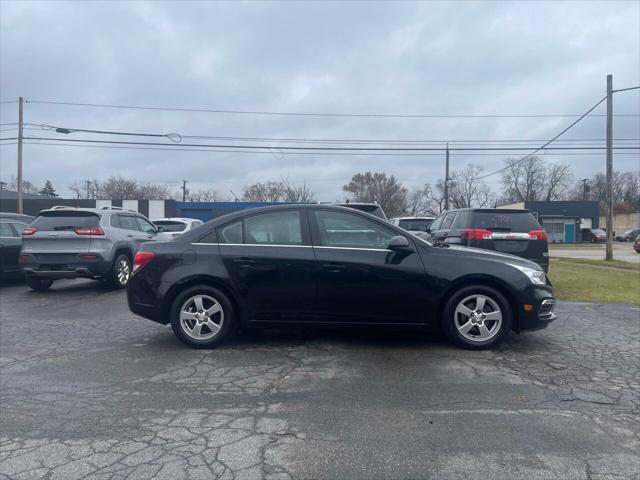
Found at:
<point>420,225</point>
<point>171,226</point>
<point>65,220</point>
<point>505,222</point>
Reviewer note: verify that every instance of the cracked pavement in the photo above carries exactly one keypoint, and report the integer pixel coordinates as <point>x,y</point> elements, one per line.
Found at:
<point>89,391</point>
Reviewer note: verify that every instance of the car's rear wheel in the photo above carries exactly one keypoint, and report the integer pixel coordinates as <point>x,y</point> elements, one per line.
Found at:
<point>38,284</point>
<point>477,317</point>
<point>202,316</point>
<point>120,273</point>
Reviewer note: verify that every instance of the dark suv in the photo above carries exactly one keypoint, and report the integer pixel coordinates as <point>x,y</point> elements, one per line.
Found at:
<point>516,232</point>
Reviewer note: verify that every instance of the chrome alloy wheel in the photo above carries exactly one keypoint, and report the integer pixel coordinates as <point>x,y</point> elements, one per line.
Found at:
<point>478,318</point>
<point>201,317</point>
<point>123,271</point>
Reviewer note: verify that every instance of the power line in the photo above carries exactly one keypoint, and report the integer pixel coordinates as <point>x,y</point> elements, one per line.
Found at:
<point>8,101</point>
<point>362,149</point>
<point>545,145</point>
<point>271,151</point>
<point>307,114</point>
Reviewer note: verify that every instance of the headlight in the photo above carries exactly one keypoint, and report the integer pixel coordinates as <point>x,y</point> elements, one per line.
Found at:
<point>537,277</point>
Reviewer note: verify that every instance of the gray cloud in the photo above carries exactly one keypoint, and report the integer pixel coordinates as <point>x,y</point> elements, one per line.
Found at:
<point>451,58</point>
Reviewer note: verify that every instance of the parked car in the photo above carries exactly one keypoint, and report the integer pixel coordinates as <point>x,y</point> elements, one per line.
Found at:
<point>65,242</point>
<point>416,225</point>
<point>594,235</point>
<point>177,226</point>
<point>371,208</point>
<point>628,236</point>
<point>319,264</point>
<point>636,244</point>
<point>512,231</point>
<point>11,226</point>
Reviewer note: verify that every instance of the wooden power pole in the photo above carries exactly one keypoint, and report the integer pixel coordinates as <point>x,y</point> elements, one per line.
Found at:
<point>19,173</point>
<point>609,201</point>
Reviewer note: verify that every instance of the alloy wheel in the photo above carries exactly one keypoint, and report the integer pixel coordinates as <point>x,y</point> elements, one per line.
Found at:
<point>478,318</point>
<point>123,271</point>
<point>201,317</point>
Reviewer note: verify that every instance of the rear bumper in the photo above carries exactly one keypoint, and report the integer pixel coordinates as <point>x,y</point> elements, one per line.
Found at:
<point>144,298</point>
<point>74,267</point>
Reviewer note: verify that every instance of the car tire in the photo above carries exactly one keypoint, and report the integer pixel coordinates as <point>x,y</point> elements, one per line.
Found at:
<point>203,323</point>
<point>120,273</point>
<point>478,331</point>
<point>38,284</point>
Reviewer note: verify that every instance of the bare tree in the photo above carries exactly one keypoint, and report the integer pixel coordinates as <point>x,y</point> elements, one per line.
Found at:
<point>296,193</point>
<point>207,195</point>
<point>533,179</point>
<point>119,187</point>
<point>27,186</point>
<point>378,188</point>
<point>263,192</point>
<point>466,192</point>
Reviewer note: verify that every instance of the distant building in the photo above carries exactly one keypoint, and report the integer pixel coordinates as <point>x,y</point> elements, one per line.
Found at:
<point>564,221</point>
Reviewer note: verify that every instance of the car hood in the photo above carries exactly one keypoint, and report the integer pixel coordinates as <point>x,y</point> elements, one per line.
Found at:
<point>494,256</point>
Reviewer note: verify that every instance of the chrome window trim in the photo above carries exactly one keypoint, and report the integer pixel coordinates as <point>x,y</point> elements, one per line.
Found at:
<point>294,246</point>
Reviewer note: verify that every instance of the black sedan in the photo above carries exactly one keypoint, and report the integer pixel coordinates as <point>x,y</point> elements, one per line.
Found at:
<point>321,264</point>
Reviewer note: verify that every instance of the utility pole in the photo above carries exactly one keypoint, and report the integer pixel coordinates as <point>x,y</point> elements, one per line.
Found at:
<point>184,190</point>
<point>585,188</point>
<point>19,175</point>
<point>88,183</point>
<point>446,181</point>
<point>609,201</point>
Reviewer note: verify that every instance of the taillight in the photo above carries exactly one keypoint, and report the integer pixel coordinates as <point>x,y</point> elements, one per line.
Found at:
<point>23,258</point>
<point>476,234</point>
<point>88,231</point>
<point>29,231</point>
<point>537,235</point>
<point>141,259</point>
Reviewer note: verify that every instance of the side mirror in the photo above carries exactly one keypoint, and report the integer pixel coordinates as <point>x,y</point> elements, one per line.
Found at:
<point>398,242</point>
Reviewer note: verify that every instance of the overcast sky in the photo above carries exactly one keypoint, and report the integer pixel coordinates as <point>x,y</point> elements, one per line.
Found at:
<point>459,58</point>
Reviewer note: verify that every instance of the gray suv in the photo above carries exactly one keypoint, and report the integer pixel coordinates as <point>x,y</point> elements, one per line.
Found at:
<point>99,243</point>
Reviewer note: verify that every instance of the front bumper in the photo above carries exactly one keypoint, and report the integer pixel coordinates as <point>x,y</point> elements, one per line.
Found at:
<point>542,311</point>
<point>73,267</point>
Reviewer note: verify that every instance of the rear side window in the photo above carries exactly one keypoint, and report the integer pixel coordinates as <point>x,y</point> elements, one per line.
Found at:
<point>65,220</point>
<point>462,220</point>
<point>114,221</point>
<point>128,223</point>
<point>7,231</point>
<point>415,224</point>
<point>231,233</point>
<point>505,222</point>
<point>436,223</point>
<point>278,228</point>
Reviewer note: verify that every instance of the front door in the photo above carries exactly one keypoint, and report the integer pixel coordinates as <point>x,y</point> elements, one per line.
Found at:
<point>569,232</point>
<point>359,279</point>
<point>270,260</point>
<point>10,243</point>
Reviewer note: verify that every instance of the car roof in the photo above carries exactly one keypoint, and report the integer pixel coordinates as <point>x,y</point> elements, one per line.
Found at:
<point>15,216</point>
<point>91,210</point>
<point>413,218</point>
<point>488,210</point>
<point>177,219</point>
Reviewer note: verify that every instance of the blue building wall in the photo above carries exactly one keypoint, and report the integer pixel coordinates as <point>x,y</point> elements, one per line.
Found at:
<point>206,211</point>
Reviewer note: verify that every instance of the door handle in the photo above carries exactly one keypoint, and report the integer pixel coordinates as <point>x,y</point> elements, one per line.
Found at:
<point>334,267</point>
<point>244,262</point>
<point>129,235</point>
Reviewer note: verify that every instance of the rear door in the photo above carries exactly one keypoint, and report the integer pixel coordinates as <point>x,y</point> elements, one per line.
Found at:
<point>443,232</point>
<point>10,242</point>
<point>271,263</point>
<point>55,239</point>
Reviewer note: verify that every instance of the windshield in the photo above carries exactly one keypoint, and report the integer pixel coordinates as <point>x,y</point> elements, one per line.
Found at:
<point>171,225</point>
<point>65,220</point>
<point>416,224</point>
<point>505,222</point>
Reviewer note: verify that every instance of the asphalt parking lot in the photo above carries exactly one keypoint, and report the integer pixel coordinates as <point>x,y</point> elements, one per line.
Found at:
<point>90,391</point>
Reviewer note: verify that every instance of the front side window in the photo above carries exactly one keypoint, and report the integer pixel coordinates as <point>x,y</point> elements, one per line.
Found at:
<point>278,228</point>
<point>145,226</point>
<point>339,229</point>
<point>436,223</point>
<point>448,220</point>
<point>231,233</point>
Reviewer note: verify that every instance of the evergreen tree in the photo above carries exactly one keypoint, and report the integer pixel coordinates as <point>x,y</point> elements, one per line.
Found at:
<point>48,190</point>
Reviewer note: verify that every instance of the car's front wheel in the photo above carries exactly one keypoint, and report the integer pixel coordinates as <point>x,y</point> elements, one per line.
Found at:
<point>120,272</point>
<point>202,316</point>
<point>38,284</point>
<point>477,317</point>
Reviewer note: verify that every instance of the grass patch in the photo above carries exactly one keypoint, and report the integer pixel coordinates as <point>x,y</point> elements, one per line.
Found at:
<point>597,281</point>
<point>576,245</point>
